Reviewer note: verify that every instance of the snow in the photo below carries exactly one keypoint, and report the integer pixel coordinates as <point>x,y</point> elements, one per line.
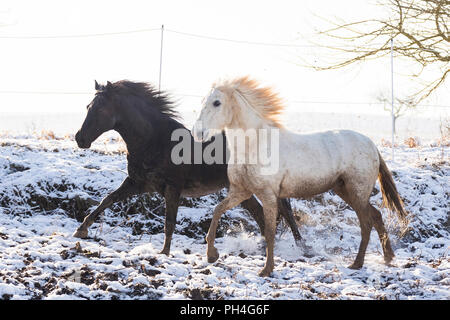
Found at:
<point>45,185</point>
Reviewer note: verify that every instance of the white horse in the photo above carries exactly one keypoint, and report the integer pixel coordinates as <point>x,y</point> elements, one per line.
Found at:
<point>308,164</point>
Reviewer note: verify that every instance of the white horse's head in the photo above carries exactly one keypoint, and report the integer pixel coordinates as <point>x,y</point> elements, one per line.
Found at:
<point>215,116</point>
<point>239,103</point>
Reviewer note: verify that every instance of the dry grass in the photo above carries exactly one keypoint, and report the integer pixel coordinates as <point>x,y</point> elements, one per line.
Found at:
<point>444,128</point>
<point>46,135</point>
<point>4,134</point>
<point>412,142</point>
<point>387,144</point>
<point>302,218</point>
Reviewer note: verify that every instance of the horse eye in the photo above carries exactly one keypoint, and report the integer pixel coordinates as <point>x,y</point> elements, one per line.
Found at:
<point>216,103</point>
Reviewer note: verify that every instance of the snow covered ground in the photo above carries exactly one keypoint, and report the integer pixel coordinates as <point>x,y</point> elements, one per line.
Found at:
<point>46,186</point>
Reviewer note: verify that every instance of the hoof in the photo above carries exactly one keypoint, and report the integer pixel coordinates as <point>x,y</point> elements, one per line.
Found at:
<point>355,266</point>
<point>388,259</point>
<point>165,251</point>
<point>265,272</point>
<point>308,251</point>
<point>213,255</point>
<point>81,233</point>
<point>299,243</point>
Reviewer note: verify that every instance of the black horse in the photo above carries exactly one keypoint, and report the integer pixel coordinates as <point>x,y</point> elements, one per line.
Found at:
<point>145,118</point>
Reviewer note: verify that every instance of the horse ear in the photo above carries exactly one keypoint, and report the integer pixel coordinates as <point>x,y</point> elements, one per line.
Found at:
<point>97,86</point>
<point>108,84</point>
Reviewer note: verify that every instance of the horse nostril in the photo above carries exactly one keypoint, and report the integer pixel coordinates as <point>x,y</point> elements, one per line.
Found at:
<point>78,137</point>
<point>199,134</point>
<point>80,141</point>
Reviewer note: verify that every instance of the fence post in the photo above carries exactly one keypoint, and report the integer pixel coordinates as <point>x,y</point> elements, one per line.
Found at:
<point>160,57</point>
<point>392,97</point>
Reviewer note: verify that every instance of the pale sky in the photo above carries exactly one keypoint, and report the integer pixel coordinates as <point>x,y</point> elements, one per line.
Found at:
<point>190,65</point>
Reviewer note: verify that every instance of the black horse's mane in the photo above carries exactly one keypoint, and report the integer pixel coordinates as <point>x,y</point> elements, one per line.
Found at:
<point>153,98</point>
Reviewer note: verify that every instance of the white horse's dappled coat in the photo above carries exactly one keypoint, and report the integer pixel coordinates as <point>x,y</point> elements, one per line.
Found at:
<point>312,163</point>
<point>306,164</point>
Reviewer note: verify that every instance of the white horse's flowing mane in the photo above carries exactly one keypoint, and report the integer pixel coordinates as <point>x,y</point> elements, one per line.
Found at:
<point>263,100</point>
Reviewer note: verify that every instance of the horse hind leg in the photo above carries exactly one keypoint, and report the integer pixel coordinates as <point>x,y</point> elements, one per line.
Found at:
<point>382,234</point>
<point>361,207</point>
<point>256,211</point>
<point>366,227</point>
<point>285,210</point>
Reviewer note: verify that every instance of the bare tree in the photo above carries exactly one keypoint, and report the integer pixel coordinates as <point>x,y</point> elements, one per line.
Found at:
<point>421,32</point>
<point>401,105</point>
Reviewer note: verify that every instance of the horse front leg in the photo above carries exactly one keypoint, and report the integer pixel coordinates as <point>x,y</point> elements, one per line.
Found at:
<point>127,188</point>
<point>270,205</point>
<point>172,199</point>
<point>285,210</point>
<point>232,200</point>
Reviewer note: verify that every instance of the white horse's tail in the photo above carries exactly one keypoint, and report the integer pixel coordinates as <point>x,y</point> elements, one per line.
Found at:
<point>391,197</point>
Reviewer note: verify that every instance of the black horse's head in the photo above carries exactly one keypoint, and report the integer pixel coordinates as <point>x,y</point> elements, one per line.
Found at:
<point>101,116</point>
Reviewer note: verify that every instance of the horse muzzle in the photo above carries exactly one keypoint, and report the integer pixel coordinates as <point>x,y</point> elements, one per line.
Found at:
<point>81,142</point>
<point>199,133</point>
